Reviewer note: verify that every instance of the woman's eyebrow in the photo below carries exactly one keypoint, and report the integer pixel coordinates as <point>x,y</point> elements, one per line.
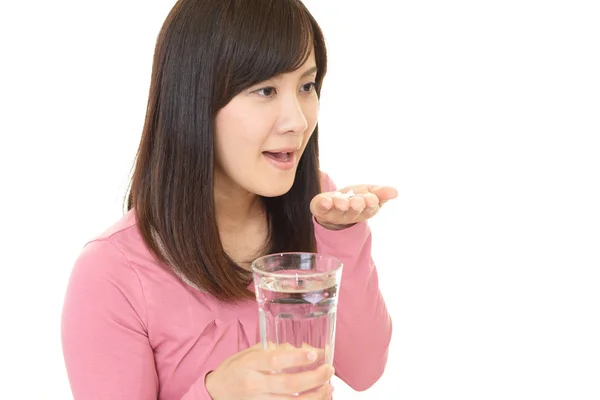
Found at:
<point>310,71</point>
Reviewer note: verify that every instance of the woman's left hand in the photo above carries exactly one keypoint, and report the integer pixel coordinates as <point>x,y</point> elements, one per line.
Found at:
<point>352,204</point>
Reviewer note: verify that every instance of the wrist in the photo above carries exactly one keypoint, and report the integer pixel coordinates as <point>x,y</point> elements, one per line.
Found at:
<point>334,227</point>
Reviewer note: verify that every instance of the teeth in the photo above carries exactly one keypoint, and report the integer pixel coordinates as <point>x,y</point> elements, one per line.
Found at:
<point>281,155</point>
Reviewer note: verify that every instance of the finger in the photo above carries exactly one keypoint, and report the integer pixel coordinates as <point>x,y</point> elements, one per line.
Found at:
<point>323,393</point>
<point>340,213</point>
<point>321,204</point>
<point>298,382</point>
<point>281,358</point>
<point>370,212</point>
<point>384,193</point>
<point>341,203</point>
<point>371,200</point>
<point>357,203</point>
<point>357,206</point>
<point>243,353</point>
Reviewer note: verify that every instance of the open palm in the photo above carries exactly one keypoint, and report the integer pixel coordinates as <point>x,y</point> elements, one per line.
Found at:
<point>352,204</point>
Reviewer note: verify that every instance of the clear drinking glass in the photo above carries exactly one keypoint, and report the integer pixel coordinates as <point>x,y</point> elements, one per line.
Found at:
<point>297,301</point>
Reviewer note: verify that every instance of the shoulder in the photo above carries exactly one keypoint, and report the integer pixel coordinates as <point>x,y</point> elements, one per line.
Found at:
<point>104,283</point>
<point>106,258</point>
<point>120,228</point>
<point>100,268</point>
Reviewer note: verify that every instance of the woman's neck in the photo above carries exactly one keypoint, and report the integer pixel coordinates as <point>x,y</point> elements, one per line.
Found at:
<point>236,207</point>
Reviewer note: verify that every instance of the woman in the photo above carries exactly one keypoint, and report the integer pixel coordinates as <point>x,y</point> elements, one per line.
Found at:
<point>160,305</point>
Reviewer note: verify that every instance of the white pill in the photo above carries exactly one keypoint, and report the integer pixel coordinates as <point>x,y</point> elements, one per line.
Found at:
<point>346,195</point>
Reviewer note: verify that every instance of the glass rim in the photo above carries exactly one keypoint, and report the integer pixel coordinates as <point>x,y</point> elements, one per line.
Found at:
<point>317,255</point>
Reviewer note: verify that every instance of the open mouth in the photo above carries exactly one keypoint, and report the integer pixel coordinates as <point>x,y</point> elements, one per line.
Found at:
<point>279,156</point>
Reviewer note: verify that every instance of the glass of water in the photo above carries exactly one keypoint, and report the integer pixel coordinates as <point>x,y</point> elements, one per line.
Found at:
<point>297,301</point>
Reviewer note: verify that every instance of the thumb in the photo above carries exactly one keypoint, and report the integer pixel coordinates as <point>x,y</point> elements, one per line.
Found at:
<point>384,193</point>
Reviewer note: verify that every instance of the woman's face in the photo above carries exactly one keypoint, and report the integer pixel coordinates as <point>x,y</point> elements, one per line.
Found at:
<point>263,131</point>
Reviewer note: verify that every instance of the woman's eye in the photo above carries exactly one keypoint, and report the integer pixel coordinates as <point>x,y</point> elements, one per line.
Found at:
<point>266,92</point>
<point>309,87</point>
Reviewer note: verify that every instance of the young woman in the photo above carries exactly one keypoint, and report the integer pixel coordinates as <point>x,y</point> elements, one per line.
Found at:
<point>161,305</point>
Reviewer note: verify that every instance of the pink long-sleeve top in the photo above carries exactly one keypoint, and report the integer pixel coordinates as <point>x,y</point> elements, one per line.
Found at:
<point>133,330</point>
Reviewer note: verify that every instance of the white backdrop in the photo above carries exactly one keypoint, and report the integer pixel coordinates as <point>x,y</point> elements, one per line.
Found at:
<point>484,115</point>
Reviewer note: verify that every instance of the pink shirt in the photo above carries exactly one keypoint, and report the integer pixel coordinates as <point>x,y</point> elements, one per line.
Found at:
<point>133,330</point>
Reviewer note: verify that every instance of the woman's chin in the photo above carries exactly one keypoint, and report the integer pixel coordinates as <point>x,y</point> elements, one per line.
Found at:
<point>274,189</point>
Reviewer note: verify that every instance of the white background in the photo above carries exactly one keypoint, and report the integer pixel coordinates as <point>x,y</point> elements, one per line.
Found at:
<point>485,115</point>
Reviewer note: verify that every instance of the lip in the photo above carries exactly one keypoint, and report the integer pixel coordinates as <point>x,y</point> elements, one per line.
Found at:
<point>284,165</point>
<point>283,150</point>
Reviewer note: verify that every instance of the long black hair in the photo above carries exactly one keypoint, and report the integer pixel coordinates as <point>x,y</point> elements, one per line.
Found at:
<point>207,52</point>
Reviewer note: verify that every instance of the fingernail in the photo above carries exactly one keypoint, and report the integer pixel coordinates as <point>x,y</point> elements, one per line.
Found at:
<point>312,355</point>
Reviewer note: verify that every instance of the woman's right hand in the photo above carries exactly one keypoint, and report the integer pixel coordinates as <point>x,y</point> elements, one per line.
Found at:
<point>250,375</point>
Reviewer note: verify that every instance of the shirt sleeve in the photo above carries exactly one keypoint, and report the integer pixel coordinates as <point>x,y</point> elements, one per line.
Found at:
<point>364,326</point>
<point>104,330</point>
